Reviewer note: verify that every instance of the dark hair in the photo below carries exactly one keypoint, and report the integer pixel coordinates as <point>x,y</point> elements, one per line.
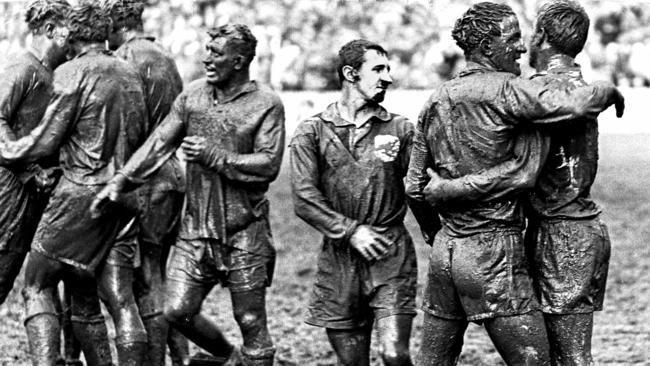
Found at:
<point>566,25</point>
<point>37,12</point>
<point>239,37</point>
<point>480,22</point>
<point>124,13</point>
<point>353,54</point>
<point>88,23</point>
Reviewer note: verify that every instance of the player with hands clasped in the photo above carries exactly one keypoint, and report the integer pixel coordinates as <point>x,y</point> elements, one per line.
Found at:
<point>347,169</point>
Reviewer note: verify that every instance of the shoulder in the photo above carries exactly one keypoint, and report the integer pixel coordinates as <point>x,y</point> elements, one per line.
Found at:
<point>69,71</point>
<point>309,127</point>
<point>21,66</point>
<point>401,123</point>
<point>267,95</point>
<point>195,87</point>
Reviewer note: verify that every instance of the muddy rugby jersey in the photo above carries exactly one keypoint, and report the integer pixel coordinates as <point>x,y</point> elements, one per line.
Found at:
<point>245,135</point>
<point>341,175</point>
<point>472,122</point>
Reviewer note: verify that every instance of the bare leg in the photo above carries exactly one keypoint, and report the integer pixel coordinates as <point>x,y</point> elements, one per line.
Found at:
<point>249,308</point>
<point>10,264</point>
<point>182,310</point>
<point>394,335</point>
<point>442,341</point>
<point>41,320</point>
<point>148,289</point>
<point>352,346</point>
<point>520,339</point>
<point>116,290</point>
<point>570,338</point>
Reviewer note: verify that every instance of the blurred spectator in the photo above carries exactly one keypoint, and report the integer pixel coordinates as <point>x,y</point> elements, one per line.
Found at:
<point>298,39</point>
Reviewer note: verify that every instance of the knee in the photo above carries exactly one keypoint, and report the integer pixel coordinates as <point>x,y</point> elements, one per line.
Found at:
<point>249,320</point>
<point>395,356</point>
<point>38,301</point>
<point>178,314</point>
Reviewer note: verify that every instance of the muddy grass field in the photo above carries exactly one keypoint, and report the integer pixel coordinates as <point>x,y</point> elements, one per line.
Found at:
<point>622,330</point>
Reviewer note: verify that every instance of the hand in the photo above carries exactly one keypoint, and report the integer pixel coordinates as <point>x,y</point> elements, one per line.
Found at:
<point>193,147</point>
<point>434,191</point>
<point>110,194</point>
<point>615,96</point>
<point>45,179</point>
<point>370,244</point>
<point>619,103</point>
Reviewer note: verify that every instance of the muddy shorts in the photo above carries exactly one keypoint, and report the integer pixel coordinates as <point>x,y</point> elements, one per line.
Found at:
<point>350,292</point>
<point>569,262</point>
<point>69,234</point>
<point>207,262</point>
<point>478,277</point>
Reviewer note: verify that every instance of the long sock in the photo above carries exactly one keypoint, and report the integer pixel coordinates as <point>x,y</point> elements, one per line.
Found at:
<point>43,336</point>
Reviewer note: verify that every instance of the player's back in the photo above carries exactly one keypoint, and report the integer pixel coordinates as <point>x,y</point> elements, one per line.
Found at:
<point>162,81</point>
<point>564,185</point>
<point>104,98</point>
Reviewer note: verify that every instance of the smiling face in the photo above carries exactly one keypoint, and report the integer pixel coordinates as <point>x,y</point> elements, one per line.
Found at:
<point>507,48</point>
<point>373,77</point>
<point>221,62</point>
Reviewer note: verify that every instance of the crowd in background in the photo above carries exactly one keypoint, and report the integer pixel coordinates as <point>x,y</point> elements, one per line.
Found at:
<point>298,39</point>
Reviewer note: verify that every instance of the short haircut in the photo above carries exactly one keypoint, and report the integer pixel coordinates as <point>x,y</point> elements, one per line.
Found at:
<point>566,25</point>
<point>124,13</point>
<point>37,12</point>
<point>480,22</point>
<point>353,54</point>
<point>237,36</point>
<point>88,23</point>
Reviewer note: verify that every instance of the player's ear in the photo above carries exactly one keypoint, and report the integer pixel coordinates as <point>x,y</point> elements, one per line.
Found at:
<point>485,47</point>
<point>350,74</point>
<point>239,62</point>
<point>49,30</point>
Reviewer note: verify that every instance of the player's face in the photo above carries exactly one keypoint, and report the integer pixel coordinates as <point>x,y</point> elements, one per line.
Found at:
<point>220,62</point>
<point>374,76</point>
<point>60,37</point>
<point>507,48</point>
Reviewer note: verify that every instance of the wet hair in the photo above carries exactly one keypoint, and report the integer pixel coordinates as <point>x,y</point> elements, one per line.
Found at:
<point>353,54</point>
<point>237,36</point>
<point>88,23</point>
<point>566,25</point>
<point>124,13</point>
<point>481,22</point>
<point>37,12</point>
